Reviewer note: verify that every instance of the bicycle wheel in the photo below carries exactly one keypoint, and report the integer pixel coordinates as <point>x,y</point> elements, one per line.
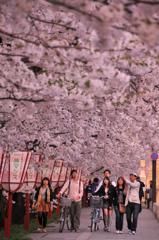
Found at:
<point>95,227</point>
<point>62,220</point>
<point>92,225</point>
<point>68,219</point>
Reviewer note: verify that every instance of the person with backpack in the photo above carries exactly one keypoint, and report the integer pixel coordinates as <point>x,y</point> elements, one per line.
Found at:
<point>73,188</point>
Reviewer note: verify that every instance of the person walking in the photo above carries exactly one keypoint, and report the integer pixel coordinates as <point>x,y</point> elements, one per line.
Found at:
<point>42,203</point>
<point>107,192</point>
<point>119,204</point>
<point>149,195</point>
<point>141,191</point>
<point>74,190</point>
<point>94,185</point>
<point>106,173</point>
<point>88,192</point>
<point>132,203</point>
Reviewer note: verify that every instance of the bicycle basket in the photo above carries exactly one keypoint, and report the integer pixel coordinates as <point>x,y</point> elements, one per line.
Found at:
<point>96,202</point>
<point>65,202</point>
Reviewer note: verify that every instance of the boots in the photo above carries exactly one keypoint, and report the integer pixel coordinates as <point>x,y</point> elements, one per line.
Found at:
<point>105,219</point>
<point>107,223</point>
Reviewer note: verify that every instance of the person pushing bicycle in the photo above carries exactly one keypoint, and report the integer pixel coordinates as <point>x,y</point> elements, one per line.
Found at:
<point>73,188</point>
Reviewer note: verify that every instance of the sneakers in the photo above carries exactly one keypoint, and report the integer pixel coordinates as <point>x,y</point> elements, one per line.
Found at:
<point>42,230</point>
<point>132,232</point>
<point>117,231</point>
<point>129,232</point>
<point>106,229</point>
<point>39,229</point>
<point>121,232</point>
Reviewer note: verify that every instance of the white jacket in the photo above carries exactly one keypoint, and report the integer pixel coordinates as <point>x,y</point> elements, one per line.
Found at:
<point>133,192</point>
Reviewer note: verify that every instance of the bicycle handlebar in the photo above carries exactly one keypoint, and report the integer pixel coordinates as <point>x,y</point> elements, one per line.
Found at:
<point>97,197</point>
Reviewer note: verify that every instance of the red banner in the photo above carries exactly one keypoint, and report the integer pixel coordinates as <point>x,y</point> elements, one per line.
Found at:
<point>2,163</point>
<point>47,169</point>
<point>15,168</point>
<point>63,174</point>
<point>32,174</point>
<point>68,172</point>
<point>56,172</point>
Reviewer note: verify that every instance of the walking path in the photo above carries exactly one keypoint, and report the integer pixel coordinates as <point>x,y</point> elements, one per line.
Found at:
<point>148,229</point>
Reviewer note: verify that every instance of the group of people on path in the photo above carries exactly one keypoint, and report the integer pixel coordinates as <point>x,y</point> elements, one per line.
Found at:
<point>124,197</point>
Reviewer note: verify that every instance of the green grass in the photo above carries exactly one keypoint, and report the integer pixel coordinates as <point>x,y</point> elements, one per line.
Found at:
<point>18,232</point>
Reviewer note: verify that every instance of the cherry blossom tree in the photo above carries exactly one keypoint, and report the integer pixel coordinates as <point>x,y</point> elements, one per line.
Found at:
<point>79,79</point>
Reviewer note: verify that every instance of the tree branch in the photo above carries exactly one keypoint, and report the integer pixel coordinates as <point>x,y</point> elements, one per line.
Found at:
<point>23,99</point>
<point>12,55</point>
<point>74,8</point>
<point>44,44</point>
<point>52,22</point>
<point>17,37</point>
<point>135,2</point>
<point>125,29</point>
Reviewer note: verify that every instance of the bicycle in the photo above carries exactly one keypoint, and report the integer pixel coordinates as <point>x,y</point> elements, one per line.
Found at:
<point>65,215</point>
<point>96,204</point>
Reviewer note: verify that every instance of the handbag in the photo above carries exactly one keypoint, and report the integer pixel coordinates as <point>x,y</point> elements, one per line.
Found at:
<point>122,208</point>
<point>35,206</point>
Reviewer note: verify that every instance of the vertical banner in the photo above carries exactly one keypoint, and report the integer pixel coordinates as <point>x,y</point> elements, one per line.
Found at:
<point>47,169</point>
<point>32,173</point>
<point>5,177</point>
<point>68,172</point>
<point>56,172</point>
<point>39,169</point>
<point>2,163</point>
<point>15,170</point>
<point>63,174</point>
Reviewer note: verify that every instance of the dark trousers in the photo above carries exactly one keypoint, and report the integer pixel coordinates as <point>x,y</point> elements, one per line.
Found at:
<point>148,202</point>
<point>119,219</point>
<point>132,212</point>
<point>42,218</point>
<point>75,214</point>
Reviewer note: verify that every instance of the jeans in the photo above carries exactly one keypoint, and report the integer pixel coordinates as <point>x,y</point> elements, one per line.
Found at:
<point>148,202</point>
<point>132,212</point>
<point>119,219</point>
<point>75,214</point>
<point>42,218</point>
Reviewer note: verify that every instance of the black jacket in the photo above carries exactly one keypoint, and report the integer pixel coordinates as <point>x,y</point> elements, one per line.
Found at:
<point>117,193</point>
<point>111,194</point>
